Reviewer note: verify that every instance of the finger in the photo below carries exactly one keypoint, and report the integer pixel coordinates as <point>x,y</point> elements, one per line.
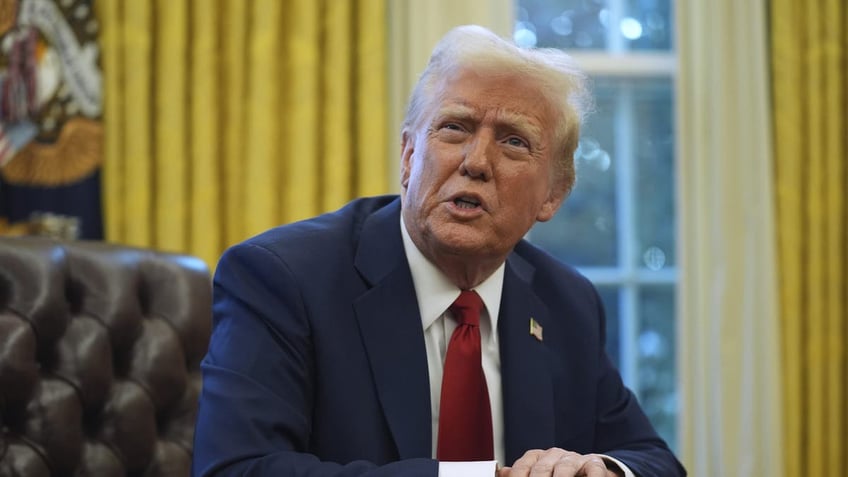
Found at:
<point>557,462</point>
<point>593,466</point>
<point>522,466</point>
<point>505,472</point>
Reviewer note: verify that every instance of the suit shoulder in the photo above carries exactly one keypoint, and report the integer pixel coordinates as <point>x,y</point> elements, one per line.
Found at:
<point>546,263</point>
<point>551,275</point>
<point>330,233</point>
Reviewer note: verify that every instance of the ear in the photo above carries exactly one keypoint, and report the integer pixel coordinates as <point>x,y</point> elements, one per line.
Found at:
<point>555,199</point>
<point>407,148</point>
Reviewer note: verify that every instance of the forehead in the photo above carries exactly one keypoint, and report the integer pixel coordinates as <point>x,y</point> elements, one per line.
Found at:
<point>509,96</point>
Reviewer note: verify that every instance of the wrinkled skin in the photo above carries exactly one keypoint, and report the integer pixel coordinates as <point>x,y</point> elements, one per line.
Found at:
<point>477,171</point>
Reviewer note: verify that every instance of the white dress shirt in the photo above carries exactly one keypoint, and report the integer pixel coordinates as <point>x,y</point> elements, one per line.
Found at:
<point>435,294</point>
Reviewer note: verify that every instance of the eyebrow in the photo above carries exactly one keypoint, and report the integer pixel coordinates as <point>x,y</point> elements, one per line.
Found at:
<point>455,111</point>
<point>505,119</point>
<point>521,123</point>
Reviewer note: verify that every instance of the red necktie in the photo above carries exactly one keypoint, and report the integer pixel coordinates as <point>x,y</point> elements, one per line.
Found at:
<point>465,416</point>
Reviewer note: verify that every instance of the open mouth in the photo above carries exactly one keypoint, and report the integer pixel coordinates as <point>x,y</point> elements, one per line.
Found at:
<point>466,203</point>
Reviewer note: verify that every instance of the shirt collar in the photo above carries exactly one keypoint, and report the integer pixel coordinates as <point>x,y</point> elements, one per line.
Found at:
<point>435,292</point>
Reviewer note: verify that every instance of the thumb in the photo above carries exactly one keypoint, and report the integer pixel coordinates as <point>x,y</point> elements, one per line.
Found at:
<point>504,471</point>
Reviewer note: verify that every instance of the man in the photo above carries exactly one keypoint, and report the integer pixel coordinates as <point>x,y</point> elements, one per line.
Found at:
<point>397,336</point>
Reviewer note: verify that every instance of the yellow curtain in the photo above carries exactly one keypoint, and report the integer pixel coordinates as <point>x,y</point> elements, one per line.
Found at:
<point>810,95</point>
<point>226,117</point>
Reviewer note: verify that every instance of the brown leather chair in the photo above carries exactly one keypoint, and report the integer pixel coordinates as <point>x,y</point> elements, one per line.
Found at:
<point>100,348</point>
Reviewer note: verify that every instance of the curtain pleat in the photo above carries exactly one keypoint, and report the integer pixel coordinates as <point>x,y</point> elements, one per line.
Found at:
<point>810,80</point>
<point>336,96</point>
<point>111,36</point>
<point>225,118</point>
<point>136,153</point>
<point>262,159</point>
<point>730,387</point>
<point>233,46</point>
<point>170,125</point>
<point>836,237</point>
<point>370,109</point>
<point>206,208</point>
<point>301,131</point>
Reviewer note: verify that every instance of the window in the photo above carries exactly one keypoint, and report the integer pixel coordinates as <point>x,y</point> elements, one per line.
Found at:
<point>618,226</point>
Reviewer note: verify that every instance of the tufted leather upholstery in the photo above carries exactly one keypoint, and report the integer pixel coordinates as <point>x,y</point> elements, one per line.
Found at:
<point>100,348</point>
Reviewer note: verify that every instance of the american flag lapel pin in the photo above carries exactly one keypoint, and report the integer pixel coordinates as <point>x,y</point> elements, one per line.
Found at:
<point>535,329</point>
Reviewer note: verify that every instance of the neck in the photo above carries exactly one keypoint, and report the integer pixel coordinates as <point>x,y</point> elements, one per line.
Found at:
<point>465,272</point>
<point>464,268</point>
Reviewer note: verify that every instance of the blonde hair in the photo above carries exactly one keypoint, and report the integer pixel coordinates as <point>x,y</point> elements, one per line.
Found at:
<point>560,81</point>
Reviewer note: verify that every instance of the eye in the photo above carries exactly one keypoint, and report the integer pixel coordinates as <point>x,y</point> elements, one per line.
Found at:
<point>451,132</point>
<point>515,141</point>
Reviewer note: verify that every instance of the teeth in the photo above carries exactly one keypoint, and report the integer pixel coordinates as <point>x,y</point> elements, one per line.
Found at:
<point>466,203</point>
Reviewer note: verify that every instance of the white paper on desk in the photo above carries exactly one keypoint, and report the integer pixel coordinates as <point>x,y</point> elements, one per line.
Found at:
<point>484,468</point>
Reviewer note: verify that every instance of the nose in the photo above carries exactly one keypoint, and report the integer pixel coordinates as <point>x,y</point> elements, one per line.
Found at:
<point>479,153</point>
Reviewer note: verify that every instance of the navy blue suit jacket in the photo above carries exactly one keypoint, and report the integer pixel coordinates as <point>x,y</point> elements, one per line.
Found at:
<point>317,363</point>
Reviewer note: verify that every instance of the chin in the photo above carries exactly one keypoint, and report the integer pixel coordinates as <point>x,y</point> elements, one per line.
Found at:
<point>466,245</point>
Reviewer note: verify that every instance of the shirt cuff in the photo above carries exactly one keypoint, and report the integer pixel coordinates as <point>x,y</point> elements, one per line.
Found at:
<point>468,469</point>
<point>617,463</point>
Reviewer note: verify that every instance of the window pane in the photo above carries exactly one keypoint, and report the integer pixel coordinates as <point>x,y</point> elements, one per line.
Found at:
<point>609,297</point>
<point>565,24</point>
<point>650,28</point>
<point>653,148</point>
<point>618,225</point>
<point>584,230</point>
<point>616,25</point>
<point>632,128</point>
<point>657,368</point>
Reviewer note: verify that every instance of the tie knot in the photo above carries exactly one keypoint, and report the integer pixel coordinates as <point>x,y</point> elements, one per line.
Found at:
<point>466,308</point>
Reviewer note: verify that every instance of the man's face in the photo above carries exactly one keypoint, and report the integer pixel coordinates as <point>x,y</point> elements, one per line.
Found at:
<point>477,167</point>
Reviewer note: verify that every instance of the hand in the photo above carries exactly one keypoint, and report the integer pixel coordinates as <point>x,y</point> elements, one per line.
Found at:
<point>557,463</point>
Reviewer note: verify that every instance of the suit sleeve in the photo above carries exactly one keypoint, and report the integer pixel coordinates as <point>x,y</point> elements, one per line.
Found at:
<point>256,405</point>
<point>623,431</point>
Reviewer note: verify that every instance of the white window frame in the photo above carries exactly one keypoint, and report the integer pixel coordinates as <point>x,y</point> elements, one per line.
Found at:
<point>617,62</point>
<point>627,275</point>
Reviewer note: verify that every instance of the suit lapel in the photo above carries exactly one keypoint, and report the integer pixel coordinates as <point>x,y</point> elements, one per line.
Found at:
<point>525,368</point>
<point>390,325</point>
